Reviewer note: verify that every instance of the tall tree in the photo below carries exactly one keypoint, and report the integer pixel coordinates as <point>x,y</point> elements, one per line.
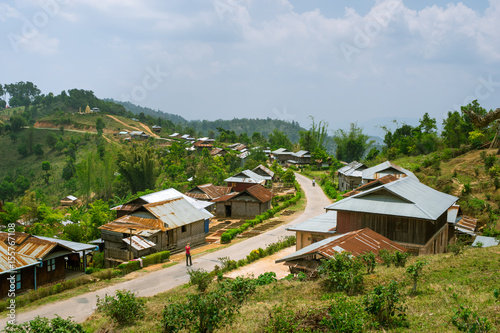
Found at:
<point>22,93</point>
<point>351,145</point>
<point>278,139</point>
<point>482,119</point>
<point>138,165</point>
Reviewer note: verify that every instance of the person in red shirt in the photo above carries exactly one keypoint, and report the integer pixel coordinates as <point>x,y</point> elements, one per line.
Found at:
<point>188,255</point>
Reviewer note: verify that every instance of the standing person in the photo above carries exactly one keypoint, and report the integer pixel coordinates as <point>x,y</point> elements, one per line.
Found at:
<point>188,255</point>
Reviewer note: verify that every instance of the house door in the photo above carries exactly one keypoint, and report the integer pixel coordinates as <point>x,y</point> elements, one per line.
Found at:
<point>170,237</point>
<point>207,227</point>
<point>228,211</point>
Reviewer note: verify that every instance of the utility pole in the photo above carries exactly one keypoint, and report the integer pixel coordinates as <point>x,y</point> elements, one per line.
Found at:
<point>131,255</point>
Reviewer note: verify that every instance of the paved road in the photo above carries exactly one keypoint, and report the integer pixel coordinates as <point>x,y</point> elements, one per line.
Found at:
<point>81,307</point>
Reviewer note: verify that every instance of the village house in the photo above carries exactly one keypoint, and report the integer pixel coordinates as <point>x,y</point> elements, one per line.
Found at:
<point>200,145</point>
<point>123,134</point>
<point>282,155</point>
<point>139,135</point>
<point>38,260</point>
<point>169,224</point>
<point>264,172</point>
<point>302,157</point>
<point>70,201</point>
<point>208,192</point>
<point>384,169</point>
<point>357,242</point>
<point>351,176</point>
<point>156,128</point>
<point>248,203</point>
<point>245,179</point>
<point>218,152</point>
<point>405,211</point>
<point>315,229</point>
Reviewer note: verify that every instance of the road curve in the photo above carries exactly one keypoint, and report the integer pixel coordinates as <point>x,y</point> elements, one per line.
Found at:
<point>81,307</point>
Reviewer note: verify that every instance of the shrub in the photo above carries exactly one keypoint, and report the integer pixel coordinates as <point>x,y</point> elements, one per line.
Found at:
<point>42,324</point>
<point>155,258</point>
<point>369,261</point>
<point>129,266</point>
<point>467,320</point>
<point>346,315</point>
<point>457,247</point>
<point>386,257</point>
<point>266,278</point>
<point>106,274</point>
<point>400,258</point>
<point>98,259</point>
<point>383,303</point>
<point>342,273</point>
<point>414,271</point>
<point>124,307</point>
<point>200,278</point>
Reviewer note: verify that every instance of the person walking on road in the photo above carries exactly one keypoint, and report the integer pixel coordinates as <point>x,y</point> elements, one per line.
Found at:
<point>188,255</point>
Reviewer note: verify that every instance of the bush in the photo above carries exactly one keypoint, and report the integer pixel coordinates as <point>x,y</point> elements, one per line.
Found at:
<point>342,273</point>
<point>129,266</point>
<point>467,320</point>
<point>346,315</point>
<point>400,258</point>
<point>266,278</point>
<point>383,303</point>
<point>155,258</point>
<point>42,324</point>
<point>200,278</point>
<point>369,261</point>
<point>124,307</point>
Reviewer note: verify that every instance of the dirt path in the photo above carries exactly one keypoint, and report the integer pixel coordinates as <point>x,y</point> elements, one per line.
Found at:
<point>145,128</point>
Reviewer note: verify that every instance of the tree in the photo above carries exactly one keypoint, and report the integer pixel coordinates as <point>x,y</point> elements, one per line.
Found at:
<point>46,167</point>
<point>138,166</point>
<point>51,140</point>
<point>278,139</point>
<point>414,271</point>
<point>30,139</point>
<point>351,145</point>
<point>22,93</point>
<point>315,137</point>
<point>482,119</point>
<point>99,125</point>
<point>17,123</point>
<point>11,213</point>
<point>38,150</point>
<point>13,137</point>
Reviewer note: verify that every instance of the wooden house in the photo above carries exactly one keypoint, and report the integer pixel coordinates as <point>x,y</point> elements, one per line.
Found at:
<point>264,172</point>
<point>405,211</point>
<point>302,157</point>
<point>200,145</point>
<point>351,176</point>
<point>218,152</point>
<point>139,135</point>
<point>37,260</point>
<point>169,224</point>
<point>156,128</point>
<point>384,169</point>
<point>357,242</point>
<point>282,155</point>
<point>314,230</point>
<point>245,179</point>
<point>70,201</point>
<point>208,192</point>
<point>249,203</point>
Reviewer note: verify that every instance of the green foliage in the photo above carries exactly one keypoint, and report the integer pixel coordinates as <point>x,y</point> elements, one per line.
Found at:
<point>282,320</point>
<point>384,304</point>
<point>415,271</point>
<point>342,273</point>
<point>98,260</point>
<point>45,325</point>
<point>123,307</point>
<point>467,320</point>
<point>346,315</point>
<point>351,145</point>
<point>456,247</point>
<point>278,139</point>
<point>200,278</point>
<point>266,278</point>
<point>138,166</point>
<point>129,266</point>
<point>369,261</point>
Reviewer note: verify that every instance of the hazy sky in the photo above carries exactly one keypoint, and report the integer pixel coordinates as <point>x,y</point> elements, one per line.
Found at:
<point>339,61</point>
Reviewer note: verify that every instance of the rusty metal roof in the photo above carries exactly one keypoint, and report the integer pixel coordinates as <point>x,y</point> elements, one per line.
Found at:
<point>258,191</point>
<point>355,242</point>
<point>139,243</point>
<point>216,150</point>
<point>264,170</point>
<point>210,191</point>
<point>177,212</point>
<point>386,168</point>
<point>374,183</point>
<point>466,225</point>
<point>28,250</point>
<point>140,224</point>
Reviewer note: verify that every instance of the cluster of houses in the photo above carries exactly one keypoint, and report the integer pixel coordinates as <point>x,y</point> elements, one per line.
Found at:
<point>387,208</point>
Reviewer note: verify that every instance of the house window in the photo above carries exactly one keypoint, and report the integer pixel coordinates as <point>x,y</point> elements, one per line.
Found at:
<point>183,228</point>
<point>51,265</point>
<point>18,280</point>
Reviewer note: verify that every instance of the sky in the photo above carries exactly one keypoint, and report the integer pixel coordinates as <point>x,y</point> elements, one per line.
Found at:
<point>338,61</point>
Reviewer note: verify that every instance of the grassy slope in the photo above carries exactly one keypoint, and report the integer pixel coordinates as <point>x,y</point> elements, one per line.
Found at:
<point>471,276</point>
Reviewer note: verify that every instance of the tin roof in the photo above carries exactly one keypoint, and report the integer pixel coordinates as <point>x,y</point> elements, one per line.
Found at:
<point>137,133</point>
<point>404,197</point>
<point>324,223</point>
<point>280,151</point>
<point>352,169</point>
<point>210,191</point>
<point>177,212</point>
<point>216,150</point>
<point>372,184</point>
<point>172,193</point>
<point>302,153</point>
<point>142,226</point>
<point>262,169</point>
<point>70,197</point>
<point>259,192</point>
<point>355,242</point>
<point>72,246</point>
<point>384,169</point>
<point>466,225</point>
<point>28,250</point>
<point>139,243</point>
<point>485,241</point>
<point>246,176</point>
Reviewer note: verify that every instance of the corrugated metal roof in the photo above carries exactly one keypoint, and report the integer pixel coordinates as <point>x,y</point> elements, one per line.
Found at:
<point>177,212</point>
<point>404,197</point>
<point>172,193</point>
<point>216,150</point>
<point>351,169</point>
<point>384,169</point>
<point>280,151</point>
<point>210,191</point>
<point>124,223</point>
<point>139,243</point>
<point>259,192</point>
<point>374,183</point>
<point>72,246</point>
<point>453,214</point>
<point>302,153</point>
<point>485,241</point>
<point>466,224</point>
<point>324,223</point>
<point>70,197</point>
<point>263,169</point>
<point>246,176</point>
<point>355,242</point>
